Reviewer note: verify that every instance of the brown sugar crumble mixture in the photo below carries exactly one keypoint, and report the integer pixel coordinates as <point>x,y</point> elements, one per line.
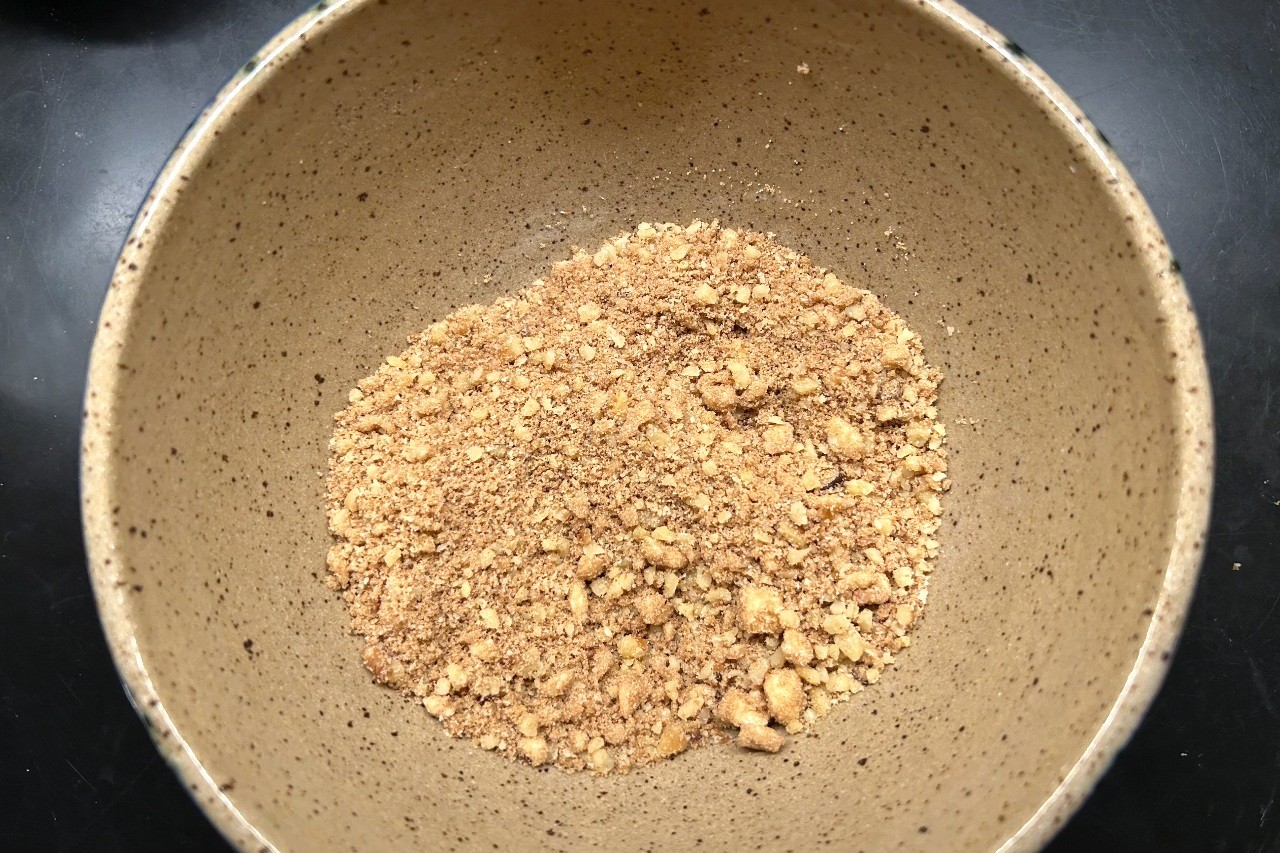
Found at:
<point>681,491</point>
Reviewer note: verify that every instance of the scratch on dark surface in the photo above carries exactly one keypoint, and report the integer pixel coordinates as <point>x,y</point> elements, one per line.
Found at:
<point>68,599</point>
<point>89,827</point>
<point>1266,616</point>
<point>44,787</point>
<point>81,775</point>
<point>71,690</point>
<point>46,132</point>
<point>146,767</point>
<point>1268,400</point>
<point>1162,16</point>
<point>6,333</point>
<point>222,37</point>
<point>1123,80</point>
<point>1264,693</point>
<point>1223,205</point>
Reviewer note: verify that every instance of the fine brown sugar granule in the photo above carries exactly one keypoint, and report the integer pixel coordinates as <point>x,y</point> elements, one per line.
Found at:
<point>682,491</point>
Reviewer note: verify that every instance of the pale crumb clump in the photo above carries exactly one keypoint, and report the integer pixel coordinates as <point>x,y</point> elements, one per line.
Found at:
<point>762,738</point>
<point>684,490</point>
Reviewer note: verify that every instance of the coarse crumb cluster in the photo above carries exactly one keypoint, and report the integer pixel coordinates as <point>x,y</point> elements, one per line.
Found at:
<point>683,490</point>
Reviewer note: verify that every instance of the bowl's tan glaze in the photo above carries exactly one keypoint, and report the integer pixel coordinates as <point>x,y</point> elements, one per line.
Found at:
<point>382,163</point>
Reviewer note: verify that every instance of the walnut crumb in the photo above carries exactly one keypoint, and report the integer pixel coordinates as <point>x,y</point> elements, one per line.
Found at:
<point>683,490</point>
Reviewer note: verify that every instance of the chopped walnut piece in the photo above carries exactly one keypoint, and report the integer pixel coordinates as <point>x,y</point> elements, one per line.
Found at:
<point>705,294</point>
<point>535,750</point>
<point>845,440</point>
<point>673,739</point>
<point>778,438</point>
<point>601,760</point>
<point>805,385</point>
<point>653,608</point>
<point>630,694</point>
<point>593,561</point>
<point>758,609</point>
<point>631,647</point>
<point>785,695</point>
<point>761,738</point>
<point>738,709</point>
<point>897,356</point>
<point>796,647</point>
<point>658,554</point>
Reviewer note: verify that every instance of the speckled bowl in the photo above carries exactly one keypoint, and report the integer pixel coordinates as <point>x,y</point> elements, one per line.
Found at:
<point>380,163</point>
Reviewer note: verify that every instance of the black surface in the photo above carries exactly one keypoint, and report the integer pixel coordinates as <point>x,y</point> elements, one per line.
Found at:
<point>92,98</point>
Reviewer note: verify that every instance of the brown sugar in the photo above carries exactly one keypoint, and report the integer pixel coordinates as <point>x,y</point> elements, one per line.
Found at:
<point>683,490</point>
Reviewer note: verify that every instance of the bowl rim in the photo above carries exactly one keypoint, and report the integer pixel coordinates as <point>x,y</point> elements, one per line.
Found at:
<point>1188,374</point>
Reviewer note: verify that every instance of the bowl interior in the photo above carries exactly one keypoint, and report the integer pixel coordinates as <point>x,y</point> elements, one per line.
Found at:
<point>404,159</point>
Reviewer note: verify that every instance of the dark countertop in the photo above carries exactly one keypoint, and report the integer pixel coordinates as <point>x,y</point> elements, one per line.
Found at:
<point>93,97</point>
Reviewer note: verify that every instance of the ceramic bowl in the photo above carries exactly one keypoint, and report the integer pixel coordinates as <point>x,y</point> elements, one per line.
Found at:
<point>380,163</point>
